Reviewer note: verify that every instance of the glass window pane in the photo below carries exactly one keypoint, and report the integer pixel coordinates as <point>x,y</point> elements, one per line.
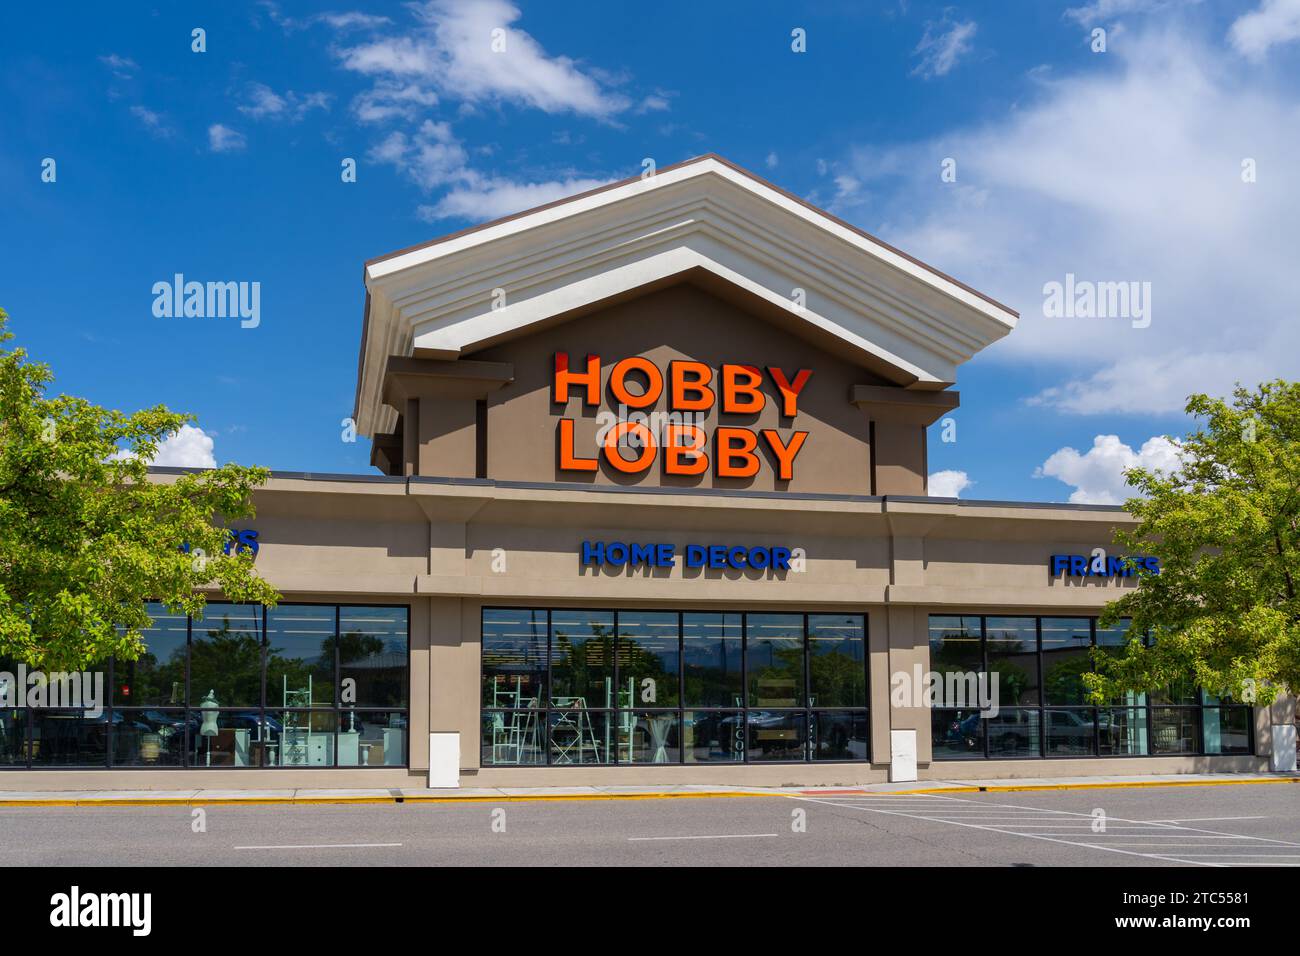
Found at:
<point>227,738</point>
<point>714,736</point>
<point>956,734</point>
<point>300,656</point>
<point>1181,692</point>
<point>1066,658</point>
<point>1116,636</point>
<point>1070,733</point>
<point>68,738</point>
<point>514,657</point>
<point>777,735</point>
<point>837,654</point>
<point>149,738</point>
<point>226,655</point>
<point>1175,730</point>
<point>713,646</point>
<point>372,738</point>
<point>1227,730</point>
<point>513,737</point>
<point>1014,733</point>
<point>841,735</point>
<point>1122,732</point>
<point>957,657</point>
<point>157,677</point>
<point>582,658</point>
<point>649,737</point>
<point>774,659</point>
<point>581,736</point>
<point>374,653</point>
<point>13,736</point>
<point>648,659</point>
<point>1013,657</point>
<point>300,738</point>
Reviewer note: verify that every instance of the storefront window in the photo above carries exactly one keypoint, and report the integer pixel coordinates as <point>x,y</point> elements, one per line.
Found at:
<point>373,657</point>
<point>327,701</point>
<point>713,654</point>
<point>300,656</point>
<point>226,651</point>
<point>1012,647</point>
<point>649,652</point>
<point>582,659</point>
<point>514,658</point>
<point>668,687</point>
<point>836,656</point>
<point>1043,705</point>
<point>774,659</point>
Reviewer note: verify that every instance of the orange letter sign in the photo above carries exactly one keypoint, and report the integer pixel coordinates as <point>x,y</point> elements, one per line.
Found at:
<point>590,379</point>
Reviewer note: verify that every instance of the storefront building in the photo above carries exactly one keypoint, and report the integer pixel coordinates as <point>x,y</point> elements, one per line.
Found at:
<point>650,508</point>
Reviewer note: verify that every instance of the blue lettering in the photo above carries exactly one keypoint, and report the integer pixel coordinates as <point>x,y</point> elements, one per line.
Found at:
<point>781,559</point>
<point>695,555</point>
<point>593,552</point>
<point>664,555</point>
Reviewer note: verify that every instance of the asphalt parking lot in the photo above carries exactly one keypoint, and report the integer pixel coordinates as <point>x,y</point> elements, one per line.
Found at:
<point>1212,826</point>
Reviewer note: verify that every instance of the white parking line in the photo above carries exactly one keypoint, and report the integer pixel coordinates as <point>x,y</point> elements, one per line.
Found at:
<point>317,846</point>
<point>1204,819</point>
<point>721,836</point>
<point>959,812</point>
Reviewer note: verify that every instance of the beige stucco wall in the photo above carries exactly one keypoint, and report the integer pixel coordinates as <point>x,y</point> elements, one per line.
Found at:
<point>431,546</point>
<point>676,323</point>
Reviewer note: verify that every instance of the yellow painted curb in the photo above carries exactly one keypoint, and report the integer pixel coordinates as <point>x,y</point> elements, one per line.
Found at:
<point>690,795</point>
<point>311,801</point>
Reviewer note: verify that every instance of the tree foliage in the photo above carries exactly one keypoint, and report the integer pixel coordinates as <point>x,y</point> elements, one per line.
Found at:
<point>87,537</point>
<point>1224,610</point>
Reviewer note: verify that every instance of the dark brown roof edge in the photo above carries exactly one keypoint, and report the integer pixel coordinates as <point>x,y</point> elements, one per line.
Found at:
<point>687,162</point>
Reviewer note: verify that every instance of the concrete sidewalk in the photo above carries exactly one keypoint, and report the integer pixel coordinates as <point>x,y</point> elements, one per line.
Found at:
<point>136,798</point>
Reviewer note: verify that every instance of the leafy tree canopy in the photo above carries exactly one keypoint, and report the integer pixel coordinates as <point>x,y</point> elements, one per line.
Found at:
<point>1224,610</point>
<point>86,538</point>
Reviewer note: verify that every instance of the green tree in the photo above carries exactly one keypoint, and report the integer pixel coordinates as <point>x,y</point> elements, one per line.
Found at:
<point>86,537</point>
<point>1224,610</point>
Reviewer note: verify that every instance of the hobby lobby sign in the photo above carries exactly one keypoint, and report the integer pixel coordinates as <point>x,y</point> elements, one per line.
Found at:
<point>691,391</point>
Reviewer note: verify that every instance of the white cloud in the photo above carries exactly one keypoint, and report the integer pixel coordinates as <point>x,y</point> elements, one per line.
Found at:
<point>353,20</point>
<point>1274,22</point>
<point>190,447</point>
<point>772,160</point>
<point>264,103</point>
<point>942,45</point>
<point>1090,13</point>
<point>1098,474</point>
<point>1128,173</point>
<point>387,101</point>
<point>223,139</point>
<point>123,67</point>
<point>948,484</point>
<point>451,51</point>
<point>155,123</point>
<point>492,197</point>
<point>434,159</point>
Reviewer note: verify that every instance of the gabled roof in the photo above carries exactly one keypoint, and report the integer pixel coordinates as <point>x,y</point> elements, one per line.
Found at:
<point>703,219</point>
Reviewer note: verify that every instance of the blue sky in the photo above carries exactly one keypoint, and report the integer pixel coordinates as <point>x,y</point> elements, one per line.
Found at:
<point>1122,165</point>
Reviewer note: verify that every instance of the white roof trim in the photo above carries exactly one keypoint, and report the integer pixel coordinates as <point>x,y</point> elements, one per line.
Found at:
<point>703,214</point>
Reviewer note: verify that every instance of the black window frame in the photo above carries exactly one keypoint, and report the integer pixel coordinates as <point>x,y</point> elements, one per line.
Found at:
<point>804,715</point>
<point>263,709</point>
<point>1044,710</point>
